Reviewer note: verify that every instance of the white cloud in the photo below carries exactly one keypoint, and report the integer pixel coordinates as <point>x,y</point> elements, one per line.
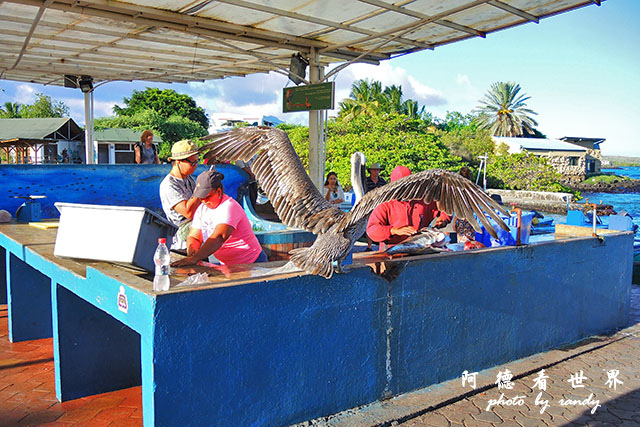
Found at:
<point>463,80</point>
<point>25,94</point>
<point>76,107</point>
<point>388,75</point>
<point>261,94</point>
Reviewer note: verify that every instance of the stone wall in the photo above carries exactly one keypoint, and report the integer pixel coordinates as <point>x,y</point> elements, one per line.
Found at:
<point>572,174</point>
<point>537,200</point>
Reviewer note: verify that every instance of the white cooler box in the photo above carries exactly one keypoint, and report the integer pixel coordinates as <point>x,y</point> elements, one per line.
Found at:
<point>123,234</point>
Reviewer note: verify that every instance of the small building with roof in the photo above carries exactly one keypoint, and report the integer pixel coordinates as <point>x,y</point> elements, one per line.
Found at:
<point>115,145</point>
<point>574,161</point>
<point>41,140</point>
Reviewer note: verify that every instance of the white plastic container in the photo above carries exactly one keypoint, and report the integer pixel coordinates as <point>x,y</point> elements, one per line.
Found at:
<point>124,234</point>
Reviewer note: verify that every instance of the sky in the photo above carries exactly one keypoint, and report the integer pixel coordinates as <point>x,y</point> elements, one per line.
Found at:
<point>581,70</point>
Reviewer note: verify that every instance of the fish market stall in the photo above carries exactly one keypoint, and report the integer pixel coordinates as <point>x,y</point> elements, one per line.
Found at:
<point>250,348</point>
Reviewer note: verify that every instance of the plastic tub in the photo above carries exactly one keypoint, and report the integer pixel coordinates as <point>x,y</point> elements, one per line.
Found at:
<point>124,234</point>
<point>508,238</point>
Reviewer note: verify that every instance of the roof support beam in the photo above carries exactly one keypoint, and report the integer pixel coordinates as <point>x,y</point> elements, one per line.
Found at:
<point>307,18</point>
<point>31,30</point>
<point>408,27</point>
<point>414,14</point>
<point>183,23</point>
<point>513,10</point>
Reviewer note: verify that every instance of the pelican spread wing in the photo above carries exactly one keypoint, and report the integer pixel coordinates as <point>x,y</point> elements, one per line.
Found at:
<point>280,173</point>
<point>298,202</point>
<point>454,193</point>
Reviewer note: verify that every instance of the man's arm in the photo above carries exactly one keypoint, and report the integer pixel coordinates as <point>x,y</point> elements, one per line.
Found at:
<point>199,252</point>
<point>379,228</point>
<point>187,208</point>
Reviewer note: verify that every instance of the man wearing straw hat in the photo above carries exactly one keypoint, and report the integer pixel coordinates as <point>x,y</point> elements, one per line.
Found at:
<point>176,190</point>
<point>374,180</point>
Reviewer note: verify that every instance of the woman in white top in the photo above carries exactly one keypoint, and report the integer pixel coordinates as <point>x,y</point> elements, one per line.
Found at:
<point>332,189</point>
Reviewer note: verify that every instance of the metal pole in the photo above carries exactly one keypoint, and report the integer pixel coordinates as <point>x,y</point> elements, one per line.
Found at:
<point>316,134</point>
<point>484,176</point>
<point>88,128</point>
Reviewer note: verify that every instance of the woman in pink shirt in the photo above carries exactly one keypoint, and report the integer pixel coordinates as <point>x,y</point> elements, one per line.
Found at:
<point>220,227</point>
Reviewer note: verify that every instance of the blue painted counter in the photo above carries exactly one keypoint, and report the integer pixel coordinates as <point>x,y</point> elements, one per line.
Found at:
<point>279,351</point>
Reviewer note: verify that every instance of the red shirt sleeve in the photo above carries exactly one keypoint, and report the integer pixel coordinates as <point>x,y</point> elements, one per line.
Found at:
<point>378,226</point>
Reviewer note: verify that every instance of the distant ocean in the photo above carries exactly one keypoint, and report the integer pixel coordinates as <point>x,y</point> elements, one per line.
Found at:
<point>629,202</point>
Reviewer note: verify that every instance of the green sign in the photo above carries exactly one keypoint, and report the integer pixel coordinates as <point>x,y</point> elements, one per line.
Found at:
<point>307,98</point>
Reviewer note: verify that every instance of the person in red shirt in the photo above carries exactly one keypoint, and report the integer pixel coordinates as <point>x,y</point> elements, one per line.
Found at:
<point>394,221</point>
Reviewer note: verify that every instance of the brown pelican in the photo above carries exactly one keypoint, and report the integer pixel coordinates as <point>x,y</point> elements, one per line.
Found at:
<point>299,203</point>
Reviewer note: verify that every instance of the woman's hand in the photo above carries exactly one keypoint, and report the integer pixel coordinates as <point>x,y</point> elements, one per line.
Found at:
<point>190,260</point>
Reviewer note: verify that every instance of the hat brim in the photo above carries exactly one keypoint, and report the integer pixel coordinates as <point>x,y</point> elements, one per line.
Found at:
<point>201,192</point>
<point>182,156</point>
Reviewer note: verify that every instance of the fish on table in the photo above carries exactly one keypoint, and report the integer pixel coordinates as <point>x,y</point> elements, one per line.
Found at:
<point>426,241</point>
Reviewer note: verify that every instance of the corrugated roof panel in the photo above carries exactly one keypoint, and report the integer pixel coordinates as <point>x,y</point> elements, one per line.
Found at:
<point>539,144</point>
<point>541,7</point>
<point>340,11</point>
<point>381,22</point>
<point>432,8</point>
<point>168,33</point>
<point>289,25</point>
<point>121,135</point>
<point>236,14</point>
<point>30,128</point>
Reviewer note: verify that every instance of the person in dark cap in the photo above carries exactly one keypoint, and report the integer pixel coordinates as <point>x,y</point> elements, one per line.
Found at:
<point>220,227</point>
<point>176,190</point>
<point>394,221</point>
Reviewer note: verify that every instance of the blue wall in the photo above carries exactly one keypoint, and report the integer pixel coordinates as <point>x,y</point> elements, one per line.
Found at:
<point>275,352</point>
<point>474,310</point>
<point>283,351</point>
<point>290,350</point>
<point>118,185</point>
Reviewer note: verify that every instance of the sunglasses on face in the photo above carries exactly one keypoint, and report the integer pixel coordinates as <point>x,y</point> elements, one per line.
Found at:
<point>192,163</point>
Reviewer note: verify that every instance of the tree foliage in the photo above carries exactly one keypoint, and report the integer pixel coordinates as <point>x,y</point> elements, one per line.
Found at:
<point>43,107</point>
<point>166,103</point>
<point>10,110</point>
<point>523,171</point>
<point>395,139</point>
<point>503,111</point>
<point>171,129</point>
<point>368,98</point>
<point>375,121</point>
<point>467,143</point>
<point>391,141</point>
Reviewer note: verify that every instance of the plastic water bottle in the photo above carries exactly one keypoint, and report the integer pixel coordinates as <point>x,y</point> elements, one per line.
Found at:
<point>162,260</point>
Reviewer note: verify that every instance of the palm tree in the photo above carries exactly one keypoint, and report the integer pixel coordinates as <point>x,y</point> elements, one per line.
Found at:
<point>10,110</point>
<point>503,112</point>
<point>364,98</point>
<point>392,99</point>
<point>412,109</point>
<point>368,98</point>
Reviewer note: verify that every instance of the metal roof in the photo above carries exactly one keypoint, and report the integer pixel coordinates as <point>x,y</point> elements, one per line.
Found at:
<point>121,135</point>
<point>538,144</point>
<point>39,129</point>
<point>193,40</point>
